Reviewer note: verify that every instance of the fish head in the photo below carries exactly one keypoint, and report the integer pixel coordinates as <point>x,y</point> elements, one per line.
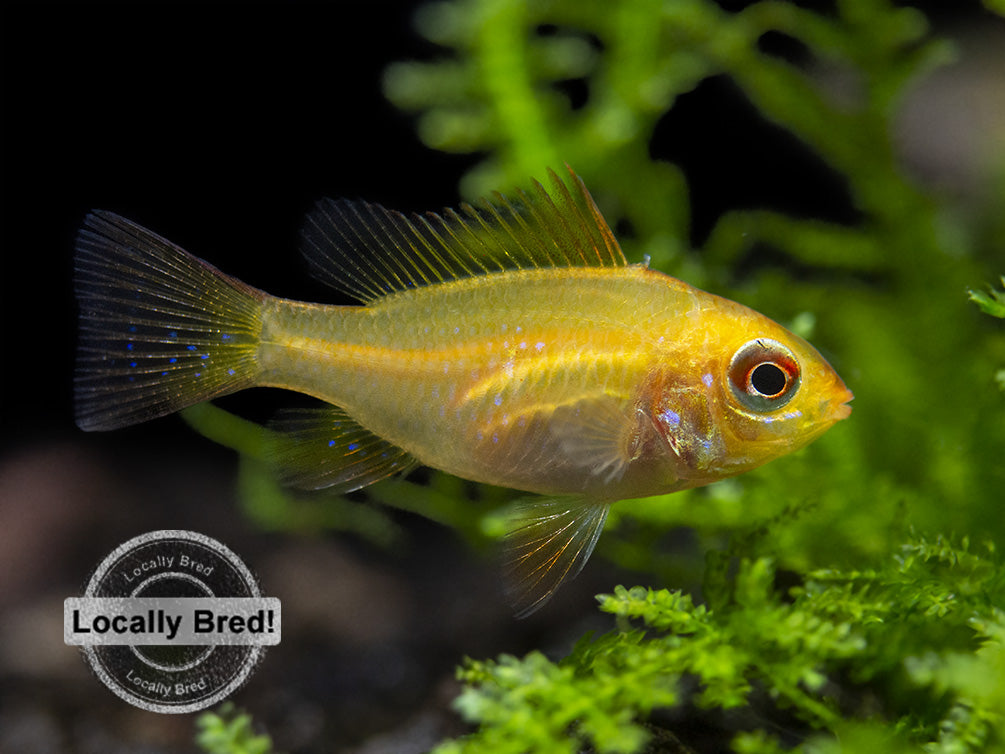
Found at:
<point>775,393</point>
<point>764,392</point>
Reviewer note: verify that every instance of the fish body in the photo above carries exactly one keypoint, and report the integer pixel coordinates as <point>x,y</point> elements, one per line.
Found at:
<point>501,383</point>
<point>510,345</point>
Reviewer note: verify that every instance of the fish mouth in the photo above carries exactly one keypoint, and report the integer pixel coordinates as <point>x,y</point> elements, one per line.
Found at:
<point>840,408</point>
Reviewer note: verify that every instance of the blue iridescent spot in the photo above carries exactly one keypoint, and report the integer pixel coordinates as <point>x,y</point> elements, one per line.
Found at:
<point>353,446</point>
<point>129,346</point>
<point>204,356</point>
<point>498,399</point>
<point>164,374</point>
<point>173,334</point>
<point>331,443</point>
<point>190,348</point>
<point>132,328</point>
<point>671,417</point>
<point>229,371</point>
<point>707,379</point>
<point>172,360</point>
<point>132,363</point>
<point>225,336</point>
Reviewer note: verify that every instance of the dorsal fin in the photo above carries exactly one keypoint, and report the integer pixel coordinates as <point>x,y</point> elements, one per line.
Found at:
<point>367,251</point>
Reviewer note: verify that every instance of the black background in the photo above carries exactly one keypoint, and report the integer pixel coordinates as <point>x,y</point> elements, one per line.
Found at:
<point>216,125</point>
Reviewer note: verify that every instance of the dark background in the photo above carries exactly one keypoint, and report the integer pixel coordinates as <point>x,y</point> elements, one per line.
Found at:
<point>218,126</point>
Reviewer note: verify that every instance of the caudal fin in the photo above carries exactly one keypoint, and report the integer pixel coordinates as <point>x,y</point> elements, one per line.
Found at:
<point>159,329</point>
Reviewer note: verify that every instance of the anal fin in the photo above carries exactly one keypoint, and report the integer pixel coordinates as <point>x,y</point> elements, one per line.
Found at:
<point>324,448</point>
<point>551,542</point>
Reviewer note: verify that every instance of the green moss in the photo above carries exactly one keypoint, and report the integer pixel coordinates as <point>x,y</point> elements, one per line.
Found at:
<point>922,627</point>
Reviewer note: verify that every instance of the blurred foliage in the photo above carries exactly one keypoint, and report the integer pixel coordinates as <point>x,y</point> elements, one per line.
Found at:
<point>992,302</point>
<point>892,640</point>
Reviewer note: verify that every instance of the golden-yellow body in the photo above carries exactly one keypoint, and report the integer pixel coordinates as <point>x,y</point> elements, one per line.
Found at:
<point>477,377</point>
<point>510,345</point>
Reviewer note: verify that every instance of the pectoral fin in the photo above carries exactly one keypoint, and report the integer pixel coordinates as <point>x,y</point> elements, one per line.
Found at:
<point>315,448</point>
<point>596,433</point>
<point>549,545</point>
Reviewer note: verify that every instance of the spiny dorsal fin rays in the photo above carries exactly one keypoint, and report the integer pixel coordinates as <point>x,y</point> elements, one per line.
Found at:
<point>571,243</point>
<point>323,236</point>
<point>414,251</point>
<point>366,219</point>
<point>367,251</point>
<point>360,249</point>
<point>467,265</point>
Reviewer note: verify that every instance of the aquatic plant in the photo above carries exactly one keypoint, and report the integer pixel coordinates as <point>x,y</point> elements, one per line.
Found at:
<point>229,730</point>
<point>891,634</point>
<point>925,620</point>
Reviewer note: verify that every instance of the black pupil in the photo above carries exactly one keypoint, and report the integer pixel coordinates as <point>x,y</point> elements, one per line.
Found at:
<point>768,379</point>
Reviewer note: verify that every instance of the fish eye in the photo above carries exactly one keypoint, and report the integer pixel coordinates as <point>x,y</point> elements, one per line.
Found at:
<point>764,375</point>
<point>768,379</point>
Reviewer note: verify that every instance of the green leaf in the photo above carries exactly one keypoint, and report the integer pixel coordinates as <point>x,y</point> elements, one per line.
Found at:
<point>992,302</point>
<point>229,731</point>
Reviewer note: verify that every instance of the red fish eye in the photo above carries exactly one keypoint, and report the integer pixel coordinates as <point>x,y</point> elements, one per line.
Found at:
<point>763,375</point>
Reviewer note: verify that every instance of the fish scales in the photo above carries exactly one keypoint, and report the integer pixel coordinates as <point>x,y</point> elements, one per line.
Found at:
<point>517,349</point>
